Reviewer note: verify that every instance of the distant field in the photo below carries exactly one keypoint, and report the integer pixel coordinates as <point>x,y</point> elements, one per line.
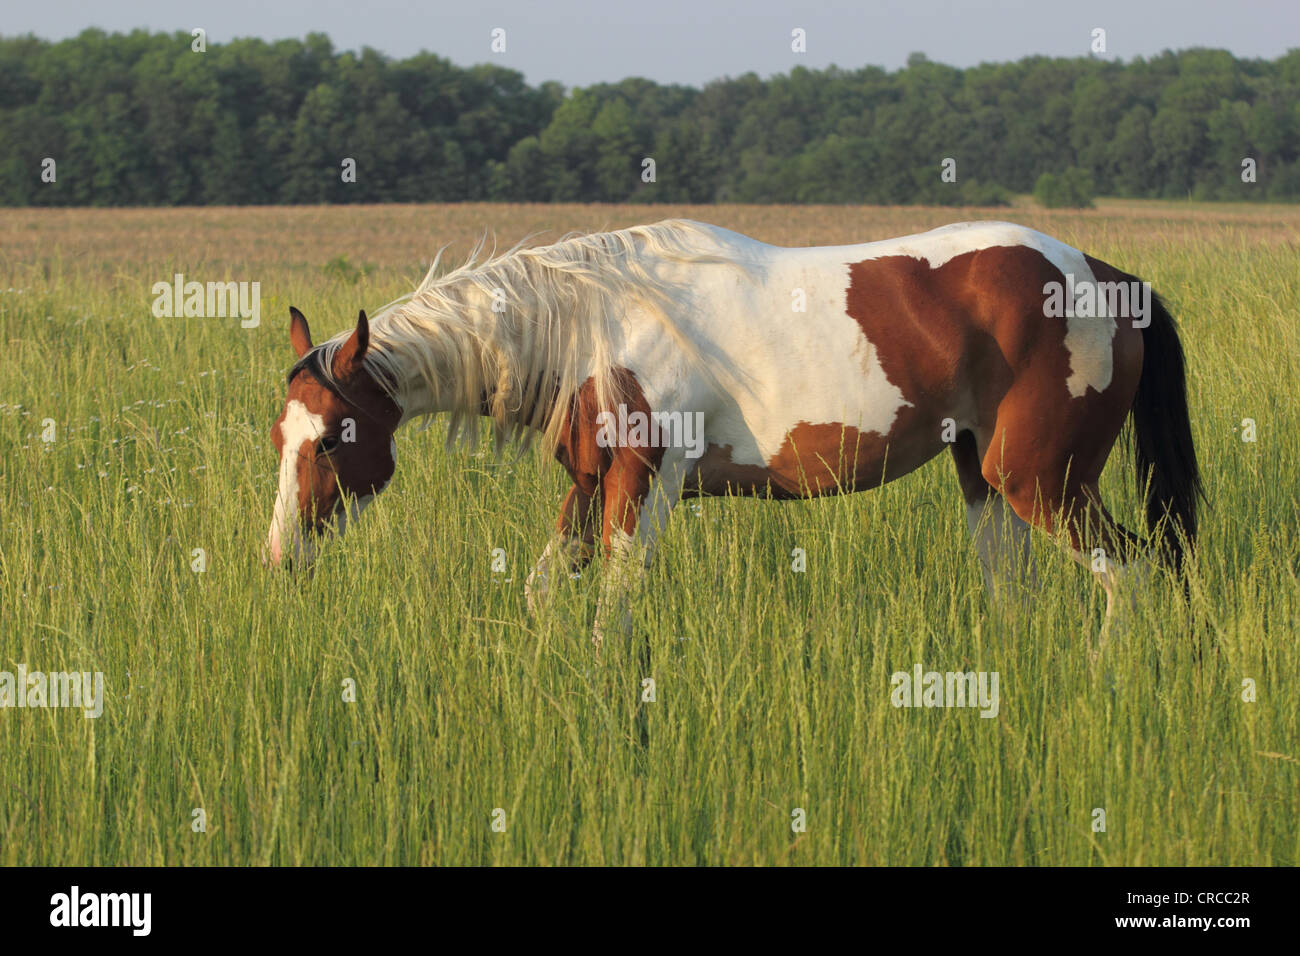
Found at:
<point>224,687</point>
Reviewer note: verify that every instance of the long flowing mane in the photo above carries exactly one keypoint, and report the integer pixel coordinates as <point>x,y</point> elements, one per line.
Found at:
<point>507,334</point>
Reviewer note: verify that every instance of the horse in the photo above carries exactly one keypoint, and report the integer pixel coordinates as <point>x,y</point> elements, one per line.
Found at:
<point>808,371</point>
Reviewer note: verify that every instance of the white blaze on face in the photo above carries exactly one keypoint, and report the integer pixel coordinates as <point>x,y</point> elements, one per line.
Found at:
<point>298,427</point>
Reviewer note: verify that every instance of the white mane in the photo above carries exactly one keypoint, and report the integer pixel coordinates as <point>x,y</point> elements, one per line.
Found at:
<point>530,323</point>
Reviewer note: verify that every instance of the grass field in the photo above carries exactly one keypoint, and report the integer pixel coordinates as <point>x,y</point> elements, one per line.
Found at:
<point>224,688</point>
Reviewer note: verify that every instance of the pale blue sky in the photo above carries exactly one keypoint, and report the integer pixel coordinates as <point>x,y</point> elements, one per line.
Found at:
<point>691,41</point>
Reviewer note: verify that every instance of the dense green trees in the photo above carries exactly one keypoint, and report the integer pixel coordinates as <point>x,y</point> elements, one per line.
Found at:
<point>1072,189</point>
<point>141,119</point>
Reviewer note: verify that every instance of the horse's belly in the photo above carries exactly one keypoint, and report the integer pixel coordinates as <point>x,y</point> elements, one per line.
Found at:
<point>814,460</point>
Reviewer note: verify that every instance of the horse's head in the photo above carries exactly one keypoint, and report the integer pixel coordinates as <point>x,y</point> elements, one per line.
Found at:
<point>334,439</point>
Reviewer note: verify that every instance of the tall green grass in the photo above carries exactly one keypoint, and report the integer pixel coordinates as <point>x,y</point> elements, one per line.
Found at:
<point>225,688</point>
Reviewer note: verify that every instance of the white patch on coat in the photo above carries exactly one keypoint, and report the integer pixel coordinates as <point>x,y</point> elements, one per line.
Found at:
<point>298,427</point>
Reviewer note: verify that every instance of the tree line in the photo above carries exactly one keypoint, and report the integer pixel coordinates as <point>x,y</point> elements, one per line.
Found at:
<point>144,119</point>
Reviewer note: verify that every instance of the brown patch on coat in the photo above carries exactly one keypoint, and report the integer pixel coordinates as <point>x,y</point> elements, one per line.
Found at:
<point>620,474</point>
<point>813,460</point>
<point>1043,448</point>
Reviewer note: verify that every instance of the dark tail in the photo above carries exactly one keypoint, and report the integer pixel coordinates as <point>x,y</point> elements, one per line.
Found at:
<point>1162,440</point>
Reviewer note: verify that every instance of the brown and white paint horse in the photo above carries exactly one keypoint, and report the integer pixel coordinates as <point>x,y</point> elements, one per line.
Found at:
<point>815,370</point>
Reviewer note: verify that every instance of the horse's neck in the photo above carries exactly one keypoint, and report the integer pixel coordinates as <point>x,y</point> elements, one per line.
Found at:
<point>416,402</point>
<point>417,399</point>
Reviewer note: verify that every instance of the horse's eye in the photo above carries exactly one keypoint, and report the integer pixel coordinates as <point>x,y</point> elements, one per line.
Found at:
<point>327,444</point>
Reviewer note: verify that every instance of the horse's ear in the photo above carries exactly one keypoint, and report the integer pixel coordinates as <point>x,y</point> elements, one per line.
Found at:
<point>299,333</point>
<point>350,353</point>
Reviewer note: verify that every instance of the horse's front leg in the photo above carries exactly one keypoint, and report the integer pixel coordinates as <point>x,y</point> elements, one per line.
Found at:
<point>638,501</point>
<point>569,550</point>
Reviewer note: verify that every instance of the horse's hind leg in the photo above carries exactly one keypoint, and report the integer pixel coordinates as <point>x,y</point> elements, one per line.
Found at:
<point>569,550</point>
<point>1001,536</point>
<point>1117,557</point>
<point>1048,471</point>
